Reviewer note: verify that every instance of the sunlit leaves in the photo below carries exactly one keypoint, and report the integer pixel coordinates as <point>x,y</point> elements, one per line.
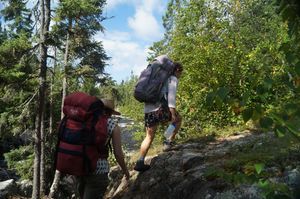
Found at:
<point>280,130</point>
<point>259,168</point>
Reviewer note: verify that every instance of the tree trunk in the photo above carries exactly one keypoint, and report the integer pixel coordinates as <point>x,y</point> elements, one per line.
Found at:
<point>41,97</point>
<point>44,27</point>
<point>51,95</point>
<point>44,35</point>
<point>65,69</point>
<point>54,185</point>
<point>57,175</point>
<point>42,166</point>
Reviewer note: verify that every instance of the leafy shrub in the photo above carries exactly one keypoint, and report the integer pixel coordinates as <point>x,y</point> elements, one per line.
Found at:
<point>21,161</point>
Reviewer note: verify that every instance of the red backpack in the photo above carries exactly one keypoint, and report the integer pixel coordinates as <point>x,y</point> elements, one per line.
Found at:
<point>82,135</point>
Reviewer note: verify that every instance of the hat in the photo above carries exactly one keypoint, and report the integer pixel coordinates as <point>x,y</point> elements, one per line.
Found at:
<point>110,104</point>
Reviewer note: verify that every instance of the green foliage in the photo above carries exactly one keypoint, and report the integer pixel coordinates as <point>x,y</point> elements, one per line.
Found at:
<point>19,72</point>
<point>19,17</point>
<point>129,106</point>
<point>232,75</point>
<point>251,165</point>
<point>259,167</point>
<point>17,85</point>
<point>76,23</point>
<point>21,161</point>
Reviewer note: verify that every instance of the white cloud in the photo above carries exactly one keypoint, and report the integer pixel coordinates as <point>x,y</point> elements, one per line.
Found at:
<point>126,55</point>
<point>145,25</point>
<point>113,3</point>
<point>126,52</point>
<point>151,5</point>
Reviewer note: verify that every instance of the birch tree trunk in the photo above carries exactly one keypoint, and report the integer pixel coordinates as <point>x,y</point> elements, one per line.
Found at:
<point>57,175</point>
<point>51,94</point>
<point>65,69</point>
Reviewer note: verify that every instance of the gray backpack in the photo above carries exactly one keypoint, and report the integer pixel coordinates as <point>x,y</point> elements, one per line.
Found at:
<point>152,79</point>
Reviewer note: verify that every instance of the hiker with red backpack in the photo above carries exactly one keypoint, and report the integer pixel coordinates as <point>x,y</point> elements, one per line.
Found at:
<point>161,76</point>
<point>85,134</point>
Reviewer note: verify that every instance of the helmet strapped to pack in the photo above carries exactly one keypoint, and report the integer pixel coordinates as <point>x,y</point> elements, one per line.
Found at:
<point>82,135</point>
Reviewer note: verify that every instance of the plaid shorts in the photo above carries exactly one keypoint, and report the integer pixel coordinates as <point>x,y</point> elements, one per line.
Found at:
<point>162,115</point>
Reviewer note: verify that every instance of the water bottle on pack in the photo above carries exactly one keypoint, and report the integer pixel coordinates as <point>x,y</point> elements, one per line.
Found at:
<point>169,132</point>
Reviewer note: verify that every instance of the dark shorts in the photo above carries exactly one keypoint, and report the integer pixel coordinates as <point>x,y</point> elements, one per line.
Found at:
<point>162,115</point>
<point>92,186</point>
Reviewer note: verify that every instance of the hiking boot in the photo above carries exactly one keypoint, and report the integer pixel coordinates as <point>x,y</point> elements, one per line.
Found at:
<point>141,166</point>
<point>167,145</point>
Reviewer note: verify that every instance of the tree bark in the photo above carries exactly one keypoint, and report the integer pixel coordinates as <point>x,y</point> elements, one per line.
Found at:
<point>42,171</point>
<point>43,133</point>
<point>41,96</point>
<point>44,27</point>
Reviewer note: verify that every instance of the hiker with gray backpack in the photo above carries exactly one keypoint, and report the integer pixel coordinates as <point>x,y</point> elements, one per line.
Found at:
<point>157,87</point>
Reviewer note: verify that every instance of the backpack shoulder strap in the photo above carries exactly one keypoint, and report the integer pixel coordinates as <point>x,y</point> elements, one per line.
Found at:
<point>61,127</point>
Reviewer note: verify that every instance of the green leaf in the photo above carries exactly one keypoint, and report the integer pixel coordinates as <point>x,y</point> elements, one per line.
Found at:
<point>259,167</point>
<point>210,98</point>
<point>265,122</point>
<point>297,68</point>
<point>246,97</point>
<point>259,109</point>
<point>222,93</point>
<point>280,131</point>
<point>260,89</point>
<point>291,108</point>
<point>218,101</point>
<point>263,183</point>
<point>268,83</point>
<point>247,114</point>
<point>256,115</point>
<point>290,56</point>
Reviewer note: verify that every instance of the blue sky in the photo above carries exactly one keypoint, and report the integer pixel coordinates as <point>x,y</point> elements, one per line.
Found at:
<point>128,35</point>
<point>135,25</point>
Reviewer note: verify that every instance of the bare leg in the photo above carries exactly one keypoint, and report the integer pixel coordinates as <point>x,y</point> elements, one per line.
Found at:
<point>150,134</point>
<point>178,125</point>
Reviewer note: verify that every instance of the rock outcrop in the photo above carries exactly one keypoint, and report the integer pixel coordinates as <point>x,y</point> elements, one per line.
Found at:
<point>182,172</point>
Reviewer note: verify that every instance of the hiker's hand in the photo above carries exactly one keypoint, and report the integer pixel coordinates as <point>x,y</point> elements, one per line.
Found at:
<point>174,118</point>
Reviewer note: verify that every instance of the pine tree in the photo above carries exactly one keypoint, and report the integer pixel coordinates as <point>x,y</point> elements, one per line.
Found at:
<point>38,178</point>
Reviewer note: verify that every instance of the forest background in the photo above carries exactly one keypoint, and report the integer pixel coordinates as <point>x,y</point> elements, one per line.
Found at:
<point>240,57</point>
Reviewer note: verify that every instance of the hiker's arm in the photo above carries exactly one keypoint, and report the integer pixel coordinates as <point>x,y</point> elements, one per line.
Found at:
<point>118,152</point>
<point>173,114</point>
<point>172,89</point>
